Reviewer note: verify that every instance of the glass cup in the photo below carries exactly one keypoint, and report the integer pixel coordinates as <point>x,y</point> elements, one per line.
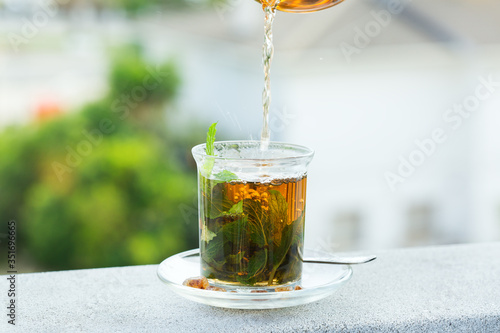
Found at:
<point>251,207</point>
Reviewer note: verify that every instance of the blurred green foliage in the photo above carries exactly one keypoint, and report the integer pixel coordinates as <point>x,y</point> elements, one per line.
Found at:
<point>139,6</point>
<point>108,185</point>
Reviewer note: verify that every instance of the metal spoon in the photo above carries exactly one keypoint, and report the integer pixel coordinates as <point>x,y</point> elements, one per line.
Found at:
<point>354,260</point>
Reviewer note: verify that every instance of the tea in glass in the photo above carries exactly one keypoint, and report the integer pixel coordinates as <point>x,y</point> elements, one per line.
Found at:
<point>252,212</point>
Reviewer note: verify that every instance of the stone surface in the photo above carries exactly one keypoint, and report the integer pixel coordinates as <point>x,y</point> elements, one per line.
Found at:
<point>434,289</point>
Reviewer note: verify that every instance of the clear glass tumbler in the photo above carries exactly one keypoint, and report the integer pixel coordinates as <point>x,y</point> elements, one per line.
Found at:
<point>251,205</point>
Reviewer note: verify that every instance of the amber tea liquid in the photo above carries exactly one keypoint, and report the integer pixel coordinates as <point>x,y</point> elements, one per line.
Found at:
<point>251,232</point>
<point>300,6</point>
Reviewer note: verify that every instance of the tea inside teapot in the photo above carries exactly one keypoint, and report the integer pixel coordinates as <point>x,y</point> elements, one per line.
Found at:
<point>299,6</point>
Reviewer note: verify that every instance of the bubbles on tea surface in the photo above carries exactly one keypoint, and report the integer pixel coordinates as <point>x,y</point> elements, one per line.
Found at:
<point>246,162</point>
<point>251,150</point>
<point>276,182</point>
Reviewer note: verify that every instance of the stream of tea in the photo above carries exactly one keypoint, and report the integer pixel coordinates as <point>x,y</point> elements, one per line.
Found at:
<point>267,58</point>
<point>269,7</point>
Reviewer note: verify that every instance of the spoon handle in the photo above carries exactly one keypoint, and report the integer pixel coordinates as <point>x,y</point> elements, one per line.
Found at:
<point>341,260</point>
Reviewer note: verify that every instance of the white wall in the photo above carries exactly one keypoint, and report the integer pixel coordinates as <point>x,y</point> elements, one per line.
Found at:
<point>359,119</point>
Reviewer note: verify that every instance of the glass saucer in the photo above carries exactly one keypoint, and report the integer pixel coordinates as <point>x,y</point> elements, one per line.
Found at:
<point>318,281</point>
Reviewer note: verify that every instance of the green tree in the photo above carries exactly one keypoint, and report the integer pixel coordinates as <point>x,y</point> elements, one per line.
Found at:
<point>105,186</point>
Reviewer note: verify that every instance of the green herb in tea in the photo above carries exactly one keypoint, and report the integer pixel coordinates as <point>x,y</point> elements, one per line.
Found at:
<point>209,163</point>
<point>251,232</point>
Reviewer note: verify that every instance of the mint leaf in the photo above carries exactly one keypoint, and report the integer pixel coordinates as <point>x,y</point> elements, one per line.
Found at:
<point>214,200</point>
<point>213,253</point>
<point>209,149</point>
<point>257,263</point>
<point>288,270</point>
<point>225,176</point>
<point>256,234</point>
<point>211,139</point>
<point>287,238</point>
<point>218,265</point>
<point>208,165</point>
<point>257,221</point>
<point>236,230</point>
<point>278,208</point>
<point>286,242</point>
<point>218,208</point>
<point>237,208</point>
<point>207,235</point>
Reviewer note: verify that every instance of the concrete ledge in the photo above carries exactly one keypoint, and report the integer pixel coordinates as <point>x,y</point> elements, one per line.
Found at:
<point>434,289</point>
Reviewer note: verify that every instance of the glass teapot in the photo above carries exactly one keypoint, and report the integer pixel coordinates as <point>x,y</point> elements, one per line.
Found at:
<point>300,6</point>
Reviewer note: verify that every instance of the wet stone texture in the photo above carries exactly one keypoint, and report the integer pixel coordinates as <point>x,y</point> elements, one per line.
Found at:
<point>434,289</point>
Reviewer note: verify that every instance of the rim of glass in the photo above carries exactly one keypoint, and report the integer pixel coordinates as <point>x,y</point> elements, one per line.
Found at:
<point>302,151</point>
